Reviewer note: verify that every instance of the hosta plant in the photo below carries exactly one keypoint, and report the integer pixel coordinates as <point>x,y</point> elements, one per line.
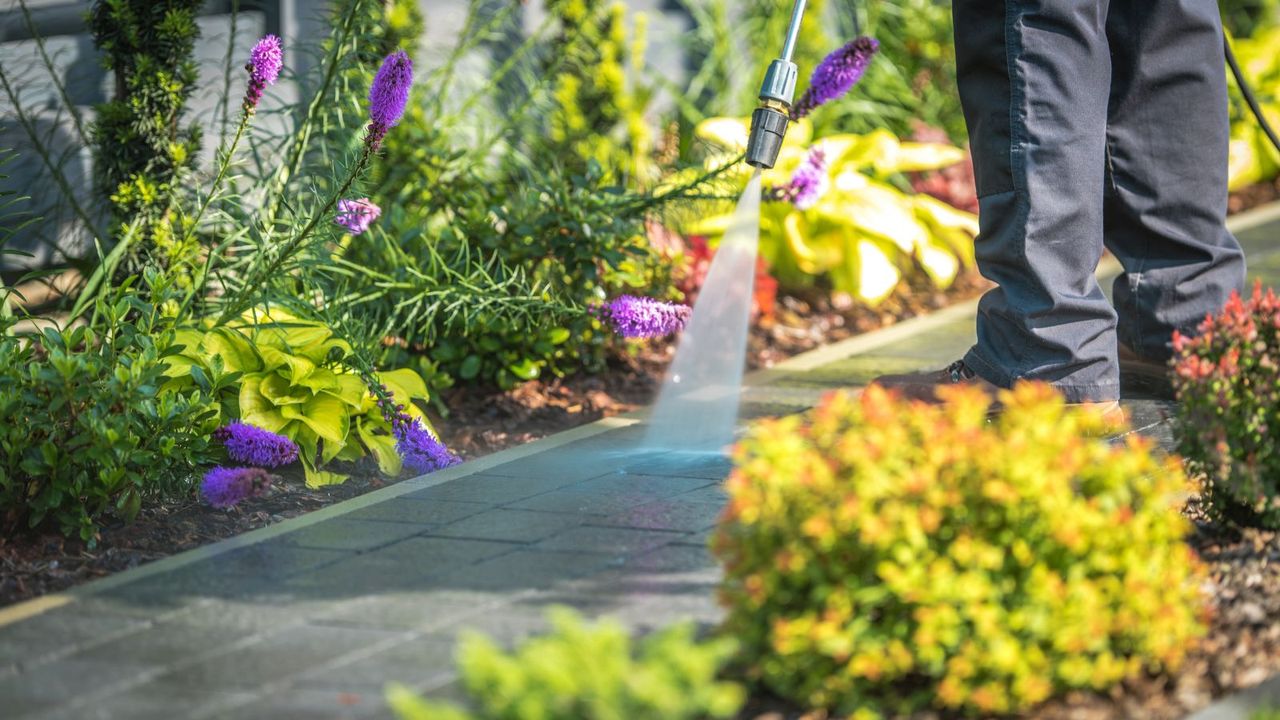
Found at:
<point>884,556</point>
<point>1227,379</point>
<point>588,672</point>
<point>287,376</point>
<point>863,233</point>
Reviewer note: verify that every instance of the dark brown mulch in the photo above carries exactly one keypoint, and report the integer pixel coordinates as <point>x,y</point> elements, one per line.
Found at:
<point>1253,196</point>
<point>480,421</point>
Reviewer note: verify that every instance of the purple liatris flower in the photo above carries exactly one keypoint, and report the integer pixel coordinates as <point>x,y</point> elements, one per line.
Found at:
<point>642,317</point>
<point>835,75</point>
<point>357,215</point>
<point>265,61</point>
<point>225,487</point>
<point>810,181</point>
<point>252,445</point>
<point>388,96</point>
<point>420,451</point>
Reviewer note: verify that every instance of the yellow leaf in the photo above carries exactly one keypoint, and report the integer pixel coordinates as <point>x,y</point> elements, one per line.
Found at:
<point>382,446</point>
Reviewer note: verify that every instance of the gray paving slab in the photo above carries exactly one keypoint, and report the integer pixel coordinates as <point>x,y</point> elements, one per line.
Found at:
<point>347,534</point>
<point>308,618</point>
<point>511,525</point>
<point>430,512</point>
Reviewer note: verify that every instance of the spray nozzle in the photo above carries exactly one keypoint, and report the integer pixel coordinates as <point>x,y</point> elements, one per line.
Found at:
<point>769,121</point>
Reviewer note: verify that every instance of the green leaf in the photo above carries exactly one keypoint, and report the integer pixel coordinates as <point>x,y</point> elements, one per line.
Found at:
<point>469,367</point>
<point>526,369</point>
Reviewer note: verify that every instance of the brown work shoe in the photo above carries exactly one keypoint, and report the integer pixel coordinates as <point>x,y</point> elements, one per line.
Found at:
<point>923,386</point>
<point>1143,376</point>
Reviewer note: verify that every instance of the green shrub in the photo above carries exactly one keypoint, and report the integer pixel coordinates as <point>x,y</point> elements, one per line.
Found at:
<point>141,146</point>
<point>87,428</point>
<point>885,556</point>
<point>1227,380</point>
<point>581,672</point>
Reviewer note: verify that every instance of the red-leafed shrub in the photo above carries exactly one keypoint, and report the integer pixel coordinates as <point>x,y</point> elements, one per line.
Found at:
<point>1227,379</point>
<point>698,255</point>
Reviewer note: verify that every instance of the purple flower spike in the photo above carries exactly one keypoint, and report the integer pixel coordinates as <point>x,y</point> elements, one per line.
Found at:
<point>835,75</point>
<point>388,96</point>
<point>252,445</point>
<point>642,317</point>
<point>225,487</point>
<point>420,451</point>
<point>810,181</point>
<point>357,215</point>
<point>265,61</point>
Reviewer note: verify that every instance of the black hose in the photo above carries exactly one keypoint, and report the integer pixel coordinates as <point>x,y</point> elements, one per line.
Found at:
<point>1247,91</point>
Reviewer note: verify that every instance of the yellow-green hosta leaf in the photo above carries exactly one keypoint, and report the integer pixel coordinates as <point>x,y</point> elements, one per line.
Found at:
<point>918,157</point>
<point>731,133</point>
<point>192,342</point>
<point>1244,165</point>
<point>324,380</point>
<point>873,208</point>
<point>295,368</point>
<point>256,408</point>
<point>325,415</point>
<point>884,154</point>
<point>382,445</point>
<point>279,392</point>
<point>179,366</point>
<point>867,271</point>
<point>939,262</point>
<point>351,390</point>
<point>320,478</point>
<point>954,227</point>
<point>877,273</point>
<point>405,383</point>
<point>236,351</point>
<point>801,254</point>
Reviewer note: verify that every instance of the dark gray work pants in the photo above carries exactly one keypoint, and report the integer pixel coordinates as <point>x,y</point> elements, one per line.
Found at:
<point>1094,122</point>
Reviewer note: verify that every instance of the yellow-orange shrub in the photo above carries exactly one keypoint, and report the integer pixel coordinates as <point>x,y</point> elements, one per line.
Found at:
<point>883,556</point>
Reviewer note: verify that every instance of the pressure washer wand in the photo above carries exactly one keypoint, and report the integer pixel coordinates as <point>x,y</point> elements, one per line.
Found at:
<point>769,121</point>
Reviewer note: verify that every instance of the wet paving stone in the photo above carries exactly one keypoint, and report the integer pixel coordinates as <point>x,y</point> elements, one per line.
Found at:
<point>511,525</point>
<point>430,512</point>
<point>346,534</point>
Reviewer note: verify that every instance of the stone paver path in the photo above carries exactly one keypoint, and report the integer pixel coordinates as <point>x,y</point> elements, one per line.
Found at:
<point>311,617</point>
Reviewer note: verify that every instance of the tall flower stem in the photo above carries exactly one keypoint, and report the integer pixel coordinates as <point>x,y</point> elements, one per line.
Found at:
<point>224,164</point>
<point>277,255</point>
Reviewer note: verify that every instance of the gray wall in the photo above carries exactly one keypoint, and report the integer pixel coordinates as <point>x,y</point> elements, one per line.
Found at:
<point>299,22</point>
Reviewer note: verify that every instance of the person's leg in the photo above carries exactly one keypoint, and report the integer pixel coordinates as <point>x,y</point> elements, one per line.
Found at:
<point>1034,78</point>
<point>1166,191</point>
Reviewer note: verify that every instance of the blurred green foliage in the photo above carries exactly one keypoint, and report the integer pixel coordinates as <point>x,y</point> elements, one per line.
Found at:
<point>587,672</point>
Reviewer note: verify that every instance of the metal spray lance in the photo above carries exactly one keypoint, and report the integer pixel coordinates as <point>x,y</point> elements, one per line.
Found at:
<point>769,121</point>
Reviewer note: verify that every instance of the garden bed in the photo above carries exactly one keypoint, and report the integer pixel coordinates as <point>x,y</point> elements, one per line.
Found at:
<point>480,421</point>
